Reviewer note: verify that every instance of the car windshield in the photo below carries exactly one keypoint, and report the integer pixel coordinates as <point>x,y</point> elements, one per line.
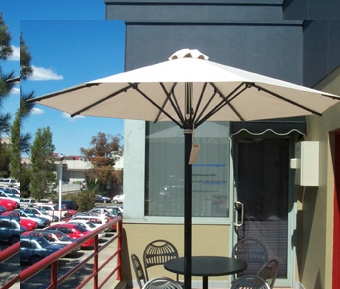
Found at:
<point>80,228</point>
<point>29,213</point>
<point>10,194</point>
<point>61,236</point>
<point>91,225</point>
<point>43,212</point>
<point>43,242</point>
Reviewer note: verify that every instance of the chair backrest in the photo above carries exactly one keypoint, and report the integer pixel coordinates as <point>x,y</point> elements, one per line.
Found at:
<point>162,283</point>
<point>157,253</point>
<point>250,282</point>
<point>251,251</point>
<point>269,271</point>
<point>139,271</point>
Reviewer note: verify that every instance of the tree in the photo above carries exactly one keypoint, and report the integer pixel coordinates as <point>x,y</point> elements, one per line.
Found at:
<point>104,152</point>
<point>42,163</point>
<point>25,60</point>
<point>5,84</point>
<point>5,40</point>
<point>20,141</point>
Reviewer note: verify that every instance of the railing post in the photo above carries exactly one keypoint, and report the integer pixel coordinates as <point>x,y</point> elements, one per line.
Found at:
<point>119,232</point>
<point>54,274</point>
<point>95,262</point>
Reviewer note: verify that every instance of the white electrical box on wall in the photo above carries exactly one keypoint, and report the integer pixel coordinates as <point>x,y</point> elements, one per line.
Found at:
<point>306,163</point>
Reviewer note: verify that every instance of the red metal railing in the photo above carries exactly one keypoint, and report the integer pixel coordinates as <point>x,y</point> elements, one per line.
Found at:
<point>52,261</point>
<point>5,255</point>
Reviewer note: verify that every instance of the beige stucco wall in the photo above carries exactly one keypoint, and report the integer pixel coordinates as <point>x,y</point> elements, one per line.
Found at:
<point>206,240</point>
<point>315,205</point>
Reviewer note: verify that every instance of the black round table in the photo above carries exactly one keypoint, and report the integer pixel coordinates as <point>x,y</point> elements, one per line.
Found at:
<point>206,266</point>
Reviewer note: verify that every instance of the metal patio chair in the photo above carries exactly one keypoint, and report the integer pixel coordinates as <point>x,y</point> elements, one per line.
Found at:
<point>157,253</point>
<point>162,283</point>
<point>269,272</point>
<point>249,282</point>
<point>139,271</point>
<point>251,251</point>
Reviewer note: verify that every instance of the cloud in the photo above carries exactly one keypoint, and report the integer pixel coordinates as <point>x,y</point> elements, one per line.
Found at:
<point>68,116</point>
<point>41,73</point>
<point>15,54</point>
<point>15,90</point>
<point>36,110</point>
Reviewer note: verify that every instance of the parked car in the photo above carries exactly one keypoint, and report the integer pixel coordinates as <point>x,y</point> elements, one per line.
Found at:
<point>52,236</point>
<point>88,226</point>
<point>2,209</point>
<point>6,194</point>
<point>8,204</point>
<point>43,213</point>
<point>41,221</point>
<point>15,215</point>
<point>114,210</point>
<point>53,210</point>
<point>73,231</point>
<point>27,202</point>
<point>8,182</point>
<point>94,218</point>
<point>14,190</point>
<point>101,211</point>
<point>30,225</point>
<point>69,205</point>
<point>118,199</point>
<point>102,199</point>
<point>32,250</point>
<point>10,231</point>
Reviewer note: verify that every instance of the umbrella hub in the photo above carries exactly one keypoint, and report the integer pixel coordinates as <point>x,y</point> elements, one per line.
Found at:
<point>188,53</point>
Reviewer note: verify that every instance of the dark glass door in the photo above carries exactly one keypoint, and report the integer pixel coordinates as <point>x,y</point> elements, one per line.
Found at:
<point>262,180</point>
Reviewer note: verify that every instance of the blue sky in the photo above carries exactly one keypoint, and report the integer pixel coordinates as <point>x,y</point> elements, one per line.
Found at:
<point>70,43</point>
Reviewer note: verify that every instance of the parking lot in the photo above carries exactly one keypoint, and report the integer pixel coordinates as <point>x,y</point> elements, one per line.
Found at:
<point>10,268</point>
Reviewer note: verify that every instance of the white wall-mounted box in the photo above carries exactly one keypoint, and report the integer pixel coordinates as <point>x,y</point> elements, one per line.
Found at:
<point>306,163</point>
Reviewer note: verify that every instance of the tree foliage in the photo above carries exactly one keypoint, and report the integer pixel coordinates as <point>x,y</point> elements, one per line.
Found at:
<point>5,40</point>
<point>42,163</point>
<point>25,60</point>
<point>5,85</point>
<point>15,147</point>
<point>104,152</point>
<point>85,199</point>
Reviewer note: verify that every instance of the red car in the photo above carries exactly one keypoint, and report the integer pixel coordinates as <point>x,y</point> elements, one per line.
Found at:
<point>73,231</point>
<point>8,204</point>
<point>28,224</point>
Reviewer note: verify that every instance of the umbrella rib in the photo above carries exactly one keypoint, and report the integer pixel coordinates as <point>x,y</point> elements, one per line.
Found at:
<point>199,104</point>
<point>198,121</point>
<point>284,99</point>
<point>168,98</point>
<point>157,106</point>
<point>225,101</point>
<point>103,99</point>
<point>47,96</point>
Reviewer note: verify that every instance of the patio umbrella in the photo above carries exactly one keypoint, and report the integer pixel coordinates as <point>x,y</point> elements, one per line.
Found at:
<point>188,90</point>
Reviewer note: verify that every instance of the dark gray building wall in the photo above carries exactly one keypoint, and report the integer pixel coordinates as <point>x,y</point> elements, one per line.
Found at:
<point>250,35</point>
<point>312,9</point>
<point>321,50</point>
<point>321,35</point>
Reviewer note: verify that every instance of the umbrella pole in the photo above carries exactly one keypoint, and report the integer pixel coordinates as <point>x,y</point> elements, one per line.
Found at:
<point>187,208</point>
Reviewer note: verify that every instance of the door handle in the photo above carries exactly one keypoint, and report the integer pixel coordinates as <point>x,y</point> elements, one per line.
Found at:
<point>238,206</point>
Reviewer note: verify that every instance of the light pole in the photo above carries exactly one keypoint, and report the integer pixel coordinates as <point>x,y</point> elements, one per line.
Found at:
<point>60,181</point>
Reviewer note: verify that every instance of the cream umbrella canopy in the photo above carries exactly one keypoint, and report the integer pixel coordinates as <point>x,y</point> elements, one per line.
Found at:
<point>188,90</point>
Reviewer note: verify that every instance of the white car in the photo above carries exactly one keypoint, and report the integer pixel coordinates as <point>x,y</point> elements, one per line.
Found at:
<point>118,199</point>
<point>43,213</point>
<point>52,210</point>
<point>88,226</point>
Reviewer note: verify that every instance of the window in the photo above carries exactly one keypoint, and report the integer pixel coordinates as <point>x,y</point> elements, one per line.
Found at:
<point>165,170</point>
